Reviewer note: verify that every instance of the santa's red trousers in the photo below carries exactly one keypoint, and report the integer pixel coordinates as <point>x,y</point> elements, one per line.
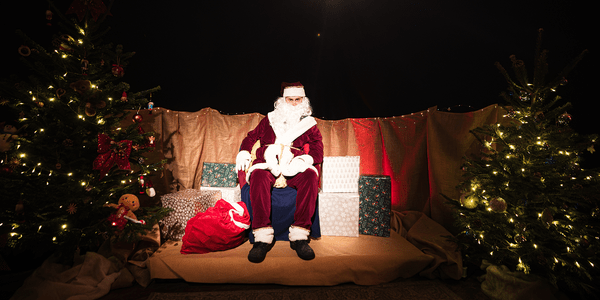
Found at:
<point>306,185</point>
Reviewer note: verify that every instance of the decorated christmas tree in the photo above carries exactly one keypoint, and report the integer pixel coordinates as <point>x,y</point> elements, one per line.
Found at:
<point>526,201</point>
<point>73,159</point>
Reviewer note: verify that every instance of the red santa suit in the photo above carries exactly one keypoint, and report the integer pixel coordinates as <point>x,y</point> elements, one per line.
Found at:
<point>303,142</point>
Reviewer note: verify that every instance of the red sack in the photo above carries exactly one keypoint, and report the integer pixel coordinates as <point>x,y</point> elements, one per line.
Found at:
<point>218,228</point>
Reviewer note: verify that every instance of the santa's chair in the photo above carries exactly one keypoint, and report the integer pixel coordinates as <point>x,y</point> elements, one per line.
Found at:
<point>283,206</point>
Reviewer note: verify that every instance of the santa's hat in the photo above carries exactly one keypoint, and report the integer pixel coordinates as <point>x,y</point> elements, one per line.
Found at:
<point>294,89</point>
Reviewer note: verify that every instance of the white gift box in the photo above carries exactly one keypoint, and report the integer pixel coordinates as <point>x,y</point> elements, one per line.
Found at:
<point>340,174</point>
<point>338,214</point>
<point>229,194</point>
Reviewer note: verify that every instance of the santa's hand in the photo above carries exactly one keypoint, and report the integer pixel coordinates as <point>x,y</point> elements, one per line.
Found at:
<point>242,161</point>
<point>298,164</point>
<point>286,156</point>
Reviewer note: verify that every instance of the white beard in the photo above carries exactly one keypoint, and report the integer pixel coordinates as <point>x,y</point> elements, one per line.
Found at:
<point>285,115</point>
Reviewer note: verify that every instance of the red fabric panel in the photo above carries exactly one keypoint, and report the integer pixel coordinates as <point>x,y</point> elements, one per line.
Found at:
<point>368,140</point>
<point>405,143</point>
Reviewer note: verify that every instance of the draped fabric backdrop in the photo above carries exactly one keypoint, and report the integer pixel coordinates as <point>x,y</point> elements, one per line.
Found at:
<point>421,152</point>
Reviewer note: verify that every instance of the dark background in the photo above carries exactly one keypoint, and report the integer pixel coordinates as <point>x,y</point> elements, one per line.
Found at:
<point>374,58</point>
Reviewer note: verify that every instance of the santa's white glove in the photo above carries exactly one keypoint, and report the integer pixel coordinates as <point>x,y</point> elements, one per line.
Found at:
<point>298,164</point>
<point>271,154</point>
<point>242,161</point>
<point>286,156</point>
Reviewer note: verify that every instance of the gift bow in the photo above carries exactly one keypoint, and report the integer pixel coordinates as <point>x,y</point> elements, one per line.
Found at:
<point>112,152</point>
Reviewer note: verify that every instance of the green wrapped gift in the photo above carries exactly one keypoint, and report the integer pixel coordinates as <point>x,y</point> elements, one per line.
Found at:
<point>219,175</point>
<point>375,204</point>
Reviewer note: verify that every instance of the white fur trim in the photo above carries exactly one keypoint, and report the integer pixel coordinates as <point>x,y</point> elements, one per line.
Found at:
<point>298,233</point>
<point>294,91</point>
<point>293,133</point>
<point>264,235</point>
<point>298,165</point>
<point>307,159</point>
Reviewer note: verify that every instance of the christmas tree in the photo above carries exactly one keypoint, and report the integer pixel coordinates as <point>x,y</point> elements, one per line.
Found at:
<point>526,201</point>
<point>72,149</point>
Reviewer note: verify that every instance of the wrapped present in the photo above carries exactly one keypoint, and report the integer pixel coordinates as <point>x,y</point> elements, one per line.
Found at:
<point>339,214</point>
<point>219,175</point>
<point>375,204</point>
<point>229,194</point>
<point>185,204</point>
<point>340,174</point>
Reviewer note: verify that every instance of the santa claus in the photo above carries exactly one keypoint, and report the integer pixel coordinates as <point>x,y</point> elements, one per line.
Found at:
<point>287,146</point>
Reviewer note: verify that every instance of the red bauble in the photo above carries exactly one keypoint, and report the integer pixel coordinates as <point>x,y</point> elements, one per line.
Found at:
<point>137,118</point>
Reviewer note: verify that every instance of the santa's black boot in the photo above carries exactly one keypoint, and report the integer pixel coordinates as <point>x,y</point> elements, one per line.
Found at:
<point>299,242</point>
<point>259,252</point>
<point>303,250</point>
<point>263,243</point>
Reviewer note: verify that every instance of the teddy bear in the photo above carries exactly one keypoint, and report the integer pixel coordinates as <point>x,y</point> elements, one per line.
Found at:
<point>128,203</point>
